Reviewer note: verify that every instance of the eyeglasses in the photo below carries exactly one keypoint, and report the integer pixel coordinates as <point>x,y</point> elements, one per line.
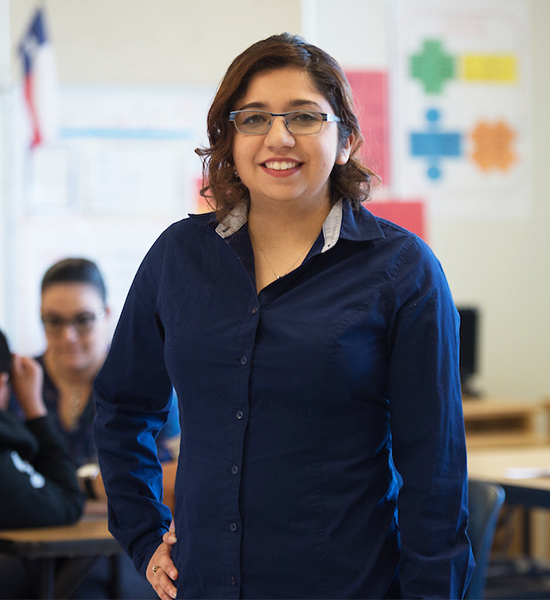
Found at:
<point>298,122</point>
<point>82,322</point>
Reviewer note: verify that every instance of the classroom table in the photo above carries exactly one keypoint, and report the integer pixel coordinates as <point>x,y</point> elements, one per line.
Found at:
<point>86,541</point>
<point>523,472</point>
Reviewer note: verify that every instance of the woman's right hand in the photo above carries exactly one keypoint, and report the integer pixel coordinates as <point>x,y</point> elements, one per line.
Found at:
<point>161,571</point>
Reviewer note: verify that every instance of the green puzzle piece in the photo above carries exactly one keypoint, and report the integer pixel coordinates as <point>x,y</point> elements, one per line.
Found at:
<point>432,66</point>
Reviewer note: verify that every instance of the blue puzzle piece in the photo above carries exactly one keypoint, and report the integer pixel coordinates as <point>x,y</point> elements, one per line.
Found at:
<point>435,145</point>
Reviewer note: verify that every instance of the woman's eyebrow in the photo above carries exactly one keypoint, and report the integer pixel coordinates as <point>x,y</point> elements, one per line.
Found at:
<point>298,103</point>
<point>257,105</point>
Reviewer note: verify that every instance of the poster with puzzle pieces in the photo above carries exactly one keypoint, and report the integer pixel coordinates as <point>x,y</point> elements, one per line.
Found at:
<point>460,106</point>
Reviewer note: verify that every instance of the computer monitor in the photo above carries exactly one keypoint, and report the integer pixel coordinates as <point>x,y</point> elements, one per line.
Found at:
<point>469,340</point>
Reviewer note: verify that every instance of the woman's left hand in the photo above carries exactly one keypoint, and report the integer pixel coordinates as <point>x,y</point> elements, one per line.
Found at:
<point>27,377</point>
<point>161,571</point>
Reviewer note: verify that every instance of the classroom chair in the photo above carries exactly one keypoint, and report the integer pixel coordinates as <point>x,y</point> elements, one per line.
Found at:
<point>485,500</point>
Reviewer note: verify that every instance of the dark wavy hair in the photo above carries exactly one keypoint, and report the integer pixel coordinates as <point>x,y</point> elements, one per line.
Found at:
<point>75,270</point>
<point>222,189</point>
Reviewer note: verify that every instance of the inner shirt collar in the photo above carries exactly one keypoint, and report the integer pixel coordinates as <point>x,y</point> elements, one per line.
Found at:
<point>238,217</point>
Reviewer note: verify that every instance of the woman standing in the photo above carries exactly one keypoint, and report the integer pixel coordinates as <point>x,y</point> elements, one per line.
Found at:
<point>313,349</point>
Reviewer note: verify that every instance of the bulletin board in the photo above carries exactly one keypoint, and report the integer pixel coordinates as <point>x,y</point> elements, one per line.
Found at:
<point>460,106</point>
<point>123,169</point>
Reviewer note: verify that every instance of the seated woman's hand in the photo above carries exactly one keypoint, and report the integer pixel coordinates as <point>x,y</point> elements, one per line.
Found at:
<point>26,381</point>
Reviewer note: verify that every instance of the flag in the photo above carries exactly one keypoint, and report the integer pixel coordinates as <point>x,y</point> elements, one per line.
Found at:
<point>40,81</point>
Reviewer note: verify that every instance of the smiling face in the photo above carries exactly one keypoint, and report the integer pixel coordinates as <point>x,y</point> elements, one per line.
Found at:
<point>278,166</point>
<point>70,350</point>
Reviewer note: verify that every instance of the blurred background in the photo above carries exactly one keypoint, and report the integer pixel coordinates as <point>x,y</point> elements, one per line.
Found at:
<point>453,97</point>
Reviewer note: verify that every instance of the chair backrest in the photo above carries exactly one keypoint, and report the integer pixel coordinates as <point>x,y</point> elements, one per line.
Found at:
<point>485,500</point>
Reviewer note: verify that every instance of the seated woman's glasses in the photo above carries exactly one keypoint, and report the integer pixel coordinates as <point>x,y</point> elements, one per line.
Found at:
<point>82,322</point>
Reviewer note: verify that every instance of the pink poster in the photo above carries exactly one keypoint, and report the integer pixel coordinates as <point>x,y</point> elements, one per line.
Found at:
<point>370,91</point>
<point>409,215</point>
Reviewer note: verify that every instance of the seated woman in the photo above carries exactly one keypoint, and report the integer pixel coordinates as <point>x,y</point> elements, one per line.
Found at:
<point>75,316</point>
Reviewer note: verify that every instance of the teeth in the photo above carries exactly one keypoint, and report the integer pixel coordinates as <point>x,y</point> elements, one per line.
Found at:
<point>281,166</point>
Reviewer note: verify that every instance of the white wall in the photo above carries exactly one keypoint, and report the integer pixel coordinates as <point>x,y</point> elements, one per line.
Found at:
<point>5,81</point>
<point>154,42</point>
<point>501,266</point>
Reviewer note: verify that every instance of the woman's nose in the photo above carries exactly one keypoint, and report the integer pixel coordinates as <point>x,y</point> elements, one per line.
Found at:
<point>279,135</point>
<point>69,332</point>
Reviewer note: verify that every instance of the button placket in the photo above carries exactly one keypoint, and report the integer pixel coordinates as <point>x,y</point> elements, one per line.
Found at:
<point>232,526</point>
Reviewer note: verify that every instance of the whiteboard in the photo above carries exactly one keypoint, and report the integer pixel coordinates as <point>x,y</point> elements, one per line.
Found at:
<point>122,170</point>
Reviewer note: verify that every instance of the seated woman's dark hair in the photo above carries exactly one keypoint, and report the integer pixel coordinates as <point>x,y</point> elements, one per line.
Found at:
<point>75,270</point>
<point>221,186</point>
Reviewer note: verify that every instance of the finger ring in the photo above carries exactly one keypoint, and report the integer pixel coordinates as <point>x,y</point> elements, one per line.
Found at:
<point>156,568</point>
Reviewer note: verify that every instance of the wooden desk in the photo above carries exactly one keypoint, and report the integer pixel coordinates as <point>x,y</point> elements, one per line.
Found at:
<point>490,422</point>
<point>89,539</point>
<point>494,464</point>
<point>528,493</point>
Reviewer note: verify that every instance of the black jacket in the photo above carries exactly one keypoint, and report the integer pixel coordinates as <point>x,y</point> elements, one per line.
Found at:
<point>38,487</point>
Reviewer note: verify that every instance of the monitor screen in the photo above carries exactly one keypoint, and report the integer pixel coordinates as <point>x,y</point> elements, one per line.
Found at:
<point>469,325</point>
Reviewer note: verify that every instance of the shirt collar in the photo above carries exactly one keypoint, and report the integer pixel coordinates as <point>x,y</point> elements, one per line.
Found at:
<point>234,221</point>
<point>341,222</point>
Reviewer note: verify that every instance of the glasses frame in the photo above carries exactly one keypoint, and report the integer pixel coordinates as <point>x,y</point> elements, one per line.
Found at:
<point>80,328</point>
<point>325,117</point>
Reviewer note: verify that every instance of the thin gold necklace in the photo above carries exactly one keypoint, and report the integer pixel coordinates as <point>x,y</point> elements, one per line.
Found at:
<point>77,401</point>
<point>296,262</point>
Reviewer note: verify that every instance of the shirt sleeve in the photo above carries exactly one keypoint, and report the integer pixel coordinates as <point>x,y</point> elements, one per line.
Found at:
<point>43,490</point>
<point>429,448</point>
<point>132,394</point>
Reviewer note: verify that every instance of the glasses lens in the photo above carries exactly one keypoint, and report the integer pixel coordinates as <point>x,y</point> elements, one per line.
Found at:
<point>304,122</point>
<point>83,323</point>
<point>253,122</point>
<point>53,325</point>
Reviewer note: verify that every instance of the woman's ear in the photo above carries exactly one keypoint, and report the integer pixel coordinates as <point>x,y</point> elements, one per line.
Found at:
<point>345,150</point>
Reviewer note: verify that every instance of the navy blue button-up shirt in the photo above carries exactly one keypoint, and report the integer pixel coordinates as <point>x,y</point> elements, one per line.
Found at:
<point>322,447</point>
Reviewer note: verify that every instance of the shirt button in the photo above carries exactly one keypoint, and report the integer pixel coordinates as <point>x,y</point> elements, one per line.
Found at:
<point>234,469</point>
<point>239,414</point>
<point>244,360</point>
<point>254,310</point>
<point>233,526</point>
<point>233,581</point>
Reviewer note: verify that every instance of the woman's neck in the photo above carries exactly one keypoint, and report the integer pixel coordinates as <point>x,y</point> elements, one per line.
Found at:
<point>281,240</point>
<point>271,226</point>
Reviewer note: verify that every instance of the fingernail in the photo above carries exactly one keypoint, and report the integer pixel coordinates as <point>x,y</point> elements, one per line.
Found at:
<point>173,539</point>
